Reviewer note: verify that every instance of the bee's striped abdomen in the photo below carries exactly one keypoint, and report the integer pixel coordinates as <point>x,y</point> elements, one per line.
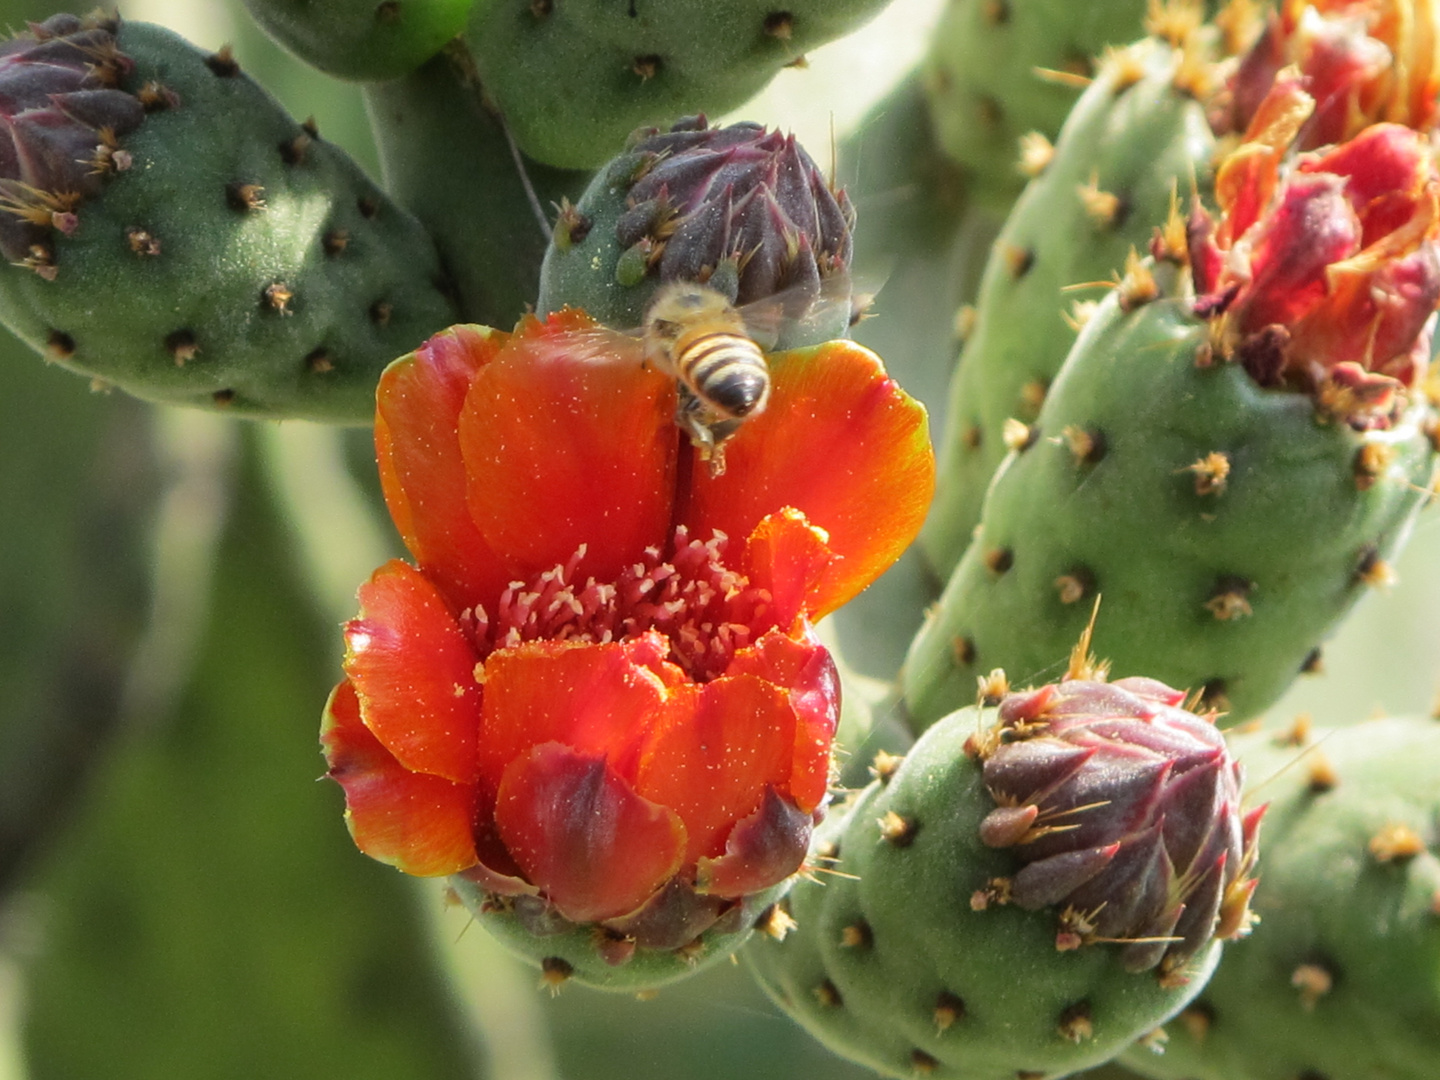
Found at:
<point>726,371</point>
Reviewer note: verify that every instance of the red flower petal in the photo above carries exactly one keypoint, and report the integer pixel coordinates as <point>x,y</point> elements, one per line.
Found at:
<point>804,668</point>
<point>788,556</point>
<point>841,443</point>
<point>595,699</point>
<point>569,440</point>
<point>1310,227</point>
<point>417,443</point>
<point>581,833</point>
<point>414,671</point>
<point>714,753</point>
<point>418,823</point>
<point>763,849</point>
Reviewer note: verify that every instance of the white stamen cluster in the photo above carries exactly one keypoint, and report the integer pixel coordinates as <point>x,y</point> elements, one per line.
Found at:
<point>705,609</point>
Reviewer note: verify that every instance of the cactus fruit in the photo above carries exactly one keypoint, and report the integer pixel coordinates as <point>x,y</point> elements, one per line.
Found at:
<point>904,957</point>
<point>998,70</point>
<point>1228,468</point>
<point>574,77</point>
<point>1342,978</point>
<point>745,209</point>
<point>1136,134</point>
<point>232,258</point>
<point>362,39</point>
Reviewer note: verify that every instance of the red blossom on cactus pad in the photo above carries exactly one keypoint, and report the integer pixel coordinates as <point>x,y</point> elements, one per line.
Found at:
<point>1362,62</point>
<point>598,686</point>
<point>1332,259</point>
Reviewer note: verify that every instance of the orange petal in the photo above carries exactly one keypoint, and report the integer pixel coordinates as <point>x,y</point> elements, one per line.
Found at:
<point>717,749</point>
<point>417,443</point>
<point>581,833</point>
<point>569,440</point>
<point>806,670</point>
<point>414,671</point>
<point>788,556</point>
<point>418,823</point>
<point>841,443</point>
<point>596,699</point>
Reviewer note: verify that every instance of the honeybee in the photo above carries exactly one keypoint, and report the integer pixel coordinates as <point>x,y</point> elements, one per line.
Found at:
<point>694,334</point>
<point>715,351</point>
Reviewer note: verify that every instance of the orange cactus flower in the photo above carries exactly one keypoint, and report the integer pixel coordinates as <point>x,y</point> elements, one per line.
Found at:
<point>599,685</point>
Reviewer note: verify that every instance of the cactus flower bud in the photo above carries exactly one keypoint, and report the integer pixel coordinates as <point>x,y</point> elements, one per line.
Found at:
<point>61,112</point>
<point>597,698</point>
<point>743,209</point>
<point>740,195</point>
<point>1125,810</point>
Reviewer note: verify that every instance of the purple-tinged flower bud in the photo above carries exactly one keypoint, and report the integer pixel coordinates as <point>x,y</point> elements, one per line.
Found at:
<point>61,112</point>
<point>1125,810</point>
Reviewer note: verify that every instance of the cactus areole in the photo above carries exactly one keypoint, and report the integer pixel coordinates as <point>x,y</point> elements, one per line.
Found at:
<point>598,697</point>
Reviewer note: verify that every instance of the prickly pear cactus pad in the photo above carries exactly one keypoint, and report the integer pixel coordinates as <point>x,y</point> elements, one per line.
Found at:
<point>1015,899</point>
<point>998,70</point>
<point>574,77</point>
<point>1137,134</point>
<point>1228,469</point>
<point>742,208</point>
<point>231,258</point>
<point>1342,978</point>
<point>362,39</point>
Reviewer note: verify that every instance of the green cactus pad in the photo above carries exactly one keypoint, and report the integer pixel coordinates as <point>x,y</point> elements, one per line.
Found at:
<point>240,262</point>
<point>1341,979</point>
<point>574,77</point>
<point>606,961</point>
<point>890,965</point>
<point>1000,69</point>
<point>362,39</point>
<point>1131,140</point>
<point>1223,586</point>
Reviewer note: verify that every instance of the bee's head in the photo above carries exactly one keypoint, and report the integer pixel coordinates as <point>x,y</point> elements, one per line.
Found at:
<point>679,303</point>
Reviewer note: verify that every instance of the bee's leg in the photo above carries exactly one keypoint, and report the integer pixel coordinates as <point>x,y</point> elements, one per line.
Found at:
<point>690,418</point>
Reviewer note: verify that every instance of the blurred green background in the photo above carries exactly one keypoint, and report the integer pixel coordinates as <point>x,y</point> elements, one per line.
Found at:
<point>180,898</point>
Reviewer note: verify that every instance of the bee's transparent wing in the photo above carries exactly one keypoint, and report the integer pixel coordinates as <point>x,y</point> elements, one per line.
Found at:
<point>602,345</point>
<point>807,312</point>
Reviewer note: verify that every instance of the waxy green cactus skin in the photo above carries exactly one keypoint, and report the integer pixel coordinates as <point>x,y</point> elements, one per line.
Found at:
<point>891,967</point>
<point>982,81</point>
<point>1137,141</point>
<point>1291,535</point>
<point>240,263</point>
<point>444,157</point>
<point>362,39</point>
<point>1355,936</point>
<point>574,77</point>
<point>564,951</point>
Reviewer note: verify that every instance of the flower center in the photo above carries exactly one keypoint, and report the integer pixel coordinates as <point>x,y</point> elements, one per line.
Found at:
<point>705,610</point>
